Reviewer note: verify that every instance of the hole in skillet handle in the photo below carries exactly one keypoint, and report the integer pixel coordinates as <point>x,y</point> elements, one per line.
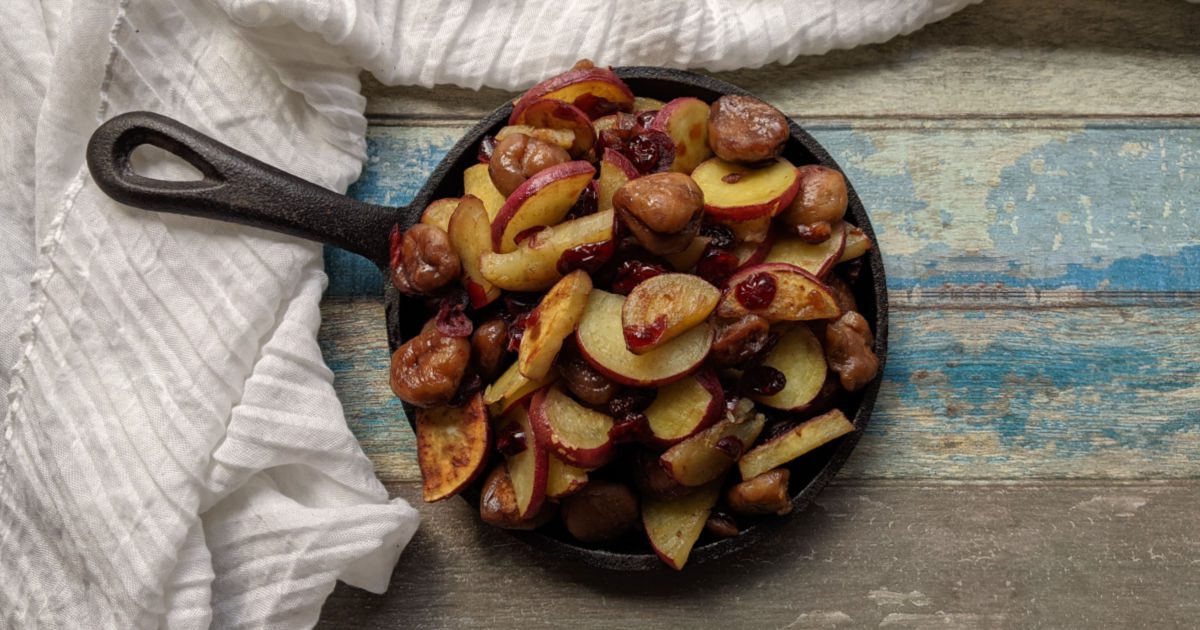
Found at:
<point>811,472</point>
<point>233,187</point>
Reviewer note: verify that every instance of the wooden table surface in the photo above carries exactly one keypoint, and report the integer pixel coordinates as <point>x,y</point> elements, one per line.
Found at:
<point>1033,173</point>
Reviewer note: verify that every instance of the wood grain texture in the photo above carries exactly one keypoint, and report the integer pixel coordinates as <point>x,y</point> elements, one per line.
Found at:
<point>1103,392</point>
<point>877,554</point>
<point>998,58</point>
<point>1015,204</point>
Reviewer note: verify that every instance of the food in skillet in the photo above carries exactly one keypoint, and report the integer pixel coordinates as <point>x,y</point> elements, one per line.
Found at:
<point>640,314</point>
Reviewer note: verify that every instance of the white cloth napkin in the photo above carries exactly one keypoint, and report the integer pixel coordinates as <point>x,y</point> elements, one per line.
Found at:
<point>173,453</point>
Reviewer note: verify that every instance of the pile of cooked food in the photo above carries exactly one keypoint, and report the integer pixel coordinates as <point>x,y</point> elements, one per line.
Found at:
<point>639,314</point>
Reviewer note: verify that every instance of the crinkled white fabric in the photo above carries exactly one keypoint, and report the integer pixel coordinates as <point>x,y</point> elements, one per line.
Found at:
<point>173,454</point>
<point>511,44</point>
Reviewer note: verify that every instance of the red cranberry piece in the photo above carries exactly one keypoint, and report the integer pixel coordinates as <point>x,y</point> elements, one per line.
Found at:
<point>719,236</point>
<point>596,106</point>
<point>644,336</point>
<point>452,320</point>
<point>632,273</point>
<point>716,265</point>
<point>651,152</point>
<point>633,427</point>
<point>511,440</point>
<point>613,138</point>
<point>731,446</point>
<point>757,291</point>
<point>645,118</point>
<point>516,331</point>
<point>486,148</point>
<point>763,380</point>
<point>588,257</point>
<point>587,203</point>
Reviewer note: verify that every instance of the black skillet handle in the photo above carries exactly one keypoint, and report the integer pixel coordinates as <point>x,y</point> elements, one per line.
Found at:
<point>235,187</point>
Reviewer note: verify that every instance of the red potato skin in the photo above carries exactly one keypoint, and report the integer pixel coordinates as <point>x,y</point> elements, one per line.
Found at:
<point>624,380</point>
<point>541,474</point>
<point>747,213</point>
<point>543,432</point>
<point>716,407</point>
<point>621,162</point>
<point>760,253</point>
<point>531,187</point>
<point>568,78</point>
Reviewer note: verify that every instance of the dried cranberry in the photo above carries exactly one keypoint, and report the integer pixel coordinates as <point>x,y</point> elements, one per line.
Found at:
<point>763,380</point>
<point>645,336</point>
<point>645,118</point>
<point>516,331</point>
<point>719,236</point>
<point>596,106</point>
<point>452,320</point>
<point>731,446</point>
<point>510,440</point>
<point>631,401</point>
<point>614,138</point>
<point>651,152</point>
<point>757,291</point>
<point>587,203</point>
<point>716,265</point>
<point>486,147</point>
<point>632,273</point>
<point>468,387</point>
<point>588,257</point>
<point>527,233</point>
<point>632,427</point>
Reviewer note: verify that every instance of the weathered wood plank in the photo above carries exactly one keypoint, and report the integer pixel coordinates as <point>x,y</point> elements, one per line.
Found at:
<point>1001,57</point>
<point>877,554</point>
<point>1020,205</point>
<point>1104,392</point>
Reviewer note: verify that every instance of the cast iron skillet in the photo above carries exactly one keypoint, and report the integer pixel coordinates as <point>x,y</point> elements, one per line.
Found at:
<point>240,189</point>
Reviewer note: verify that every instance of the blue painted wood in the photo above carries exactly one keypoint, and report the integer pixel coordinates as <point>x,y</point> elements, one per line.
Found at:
<point>1104,206</point>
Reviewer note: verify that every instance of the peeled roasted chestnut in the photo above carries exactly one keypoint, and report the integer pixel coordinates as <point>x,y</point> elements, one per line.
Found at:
<point>745,129</point>
<point>428,368</point>
<point>820,203</point>
<point>518,157</point>
<point>848,350</point>
<point>764,494</point>
<point>661,210</point>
